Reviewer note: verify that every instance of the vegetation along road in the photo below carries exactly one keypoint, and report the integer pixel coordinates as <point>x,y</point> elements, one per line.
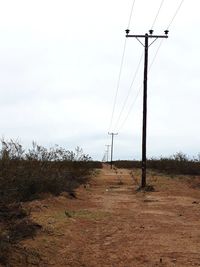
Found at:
<point>111,224</point>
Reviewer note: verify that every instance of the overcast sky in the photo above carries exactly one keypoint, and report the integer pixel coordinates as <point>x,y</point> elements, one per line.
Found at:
<point>59,66</point>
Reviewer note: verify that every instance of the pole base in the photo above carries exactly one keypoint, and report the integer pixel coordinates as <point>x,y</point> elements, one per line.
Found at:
<point>147,188</point>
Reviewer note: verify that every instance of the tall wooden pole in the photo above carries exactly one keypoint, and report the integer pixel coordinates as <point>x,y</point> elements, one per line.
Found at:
<point>111,161</point>
<point>144,126</point>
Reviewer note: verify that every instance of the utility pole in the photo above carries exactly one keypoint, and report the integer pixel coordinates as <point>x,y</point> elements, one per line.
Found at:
<point>111,161</point>
<point>107,152</point>
<point>144,127</point>
<point>104,158</point>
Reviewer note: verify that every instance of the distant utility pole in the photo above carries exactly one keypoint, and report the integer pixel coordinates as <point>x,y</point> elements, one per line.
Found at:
<point>111,161</point>
<point>144,128</point>
<point>107,152</point>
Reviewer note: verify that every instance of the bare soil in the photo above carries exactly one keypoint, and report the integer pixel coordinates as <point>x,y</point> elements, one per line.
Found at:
<point>111,224</point>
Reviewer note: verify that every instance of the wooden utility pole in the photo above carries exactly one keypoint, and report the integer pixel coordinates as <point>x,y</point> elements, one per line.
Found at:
<point>107,152</point>
<point>111,161</point>
<point>144,127</point>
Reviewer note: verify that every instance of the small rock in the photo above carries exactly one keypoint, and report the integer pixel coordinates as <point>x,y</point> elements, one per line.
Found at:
<point>68,214</point>
<point>51,221</point>
<point>72,195</point>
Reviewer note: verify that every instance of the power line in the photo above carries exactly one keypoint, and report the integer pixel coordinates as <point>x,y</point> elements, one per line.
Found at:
<point>130,109</point>
<point>121,66</point>
<point>129,91</point>
<point>107,152</point>
<point>175,14</point>
<point>155,55</point>
<point>111,160</point>
<point>161,42</point>
<point>104,157</point>
<point>146,36</point>
<point>131,14</point>
<point>140,88</point>
<point>144,127</point>
<point>154,58</point>
<point>118,83</point>
<point>157,14</point>
<point>153,24</point>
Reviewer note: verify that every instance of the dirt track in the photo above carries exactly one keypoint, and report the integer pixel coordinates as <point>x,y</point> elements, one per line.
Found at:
<point>112,225</point>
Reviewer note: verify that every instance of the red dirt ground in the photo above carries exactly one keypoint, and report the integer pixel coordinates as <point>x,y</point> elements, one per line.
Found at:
<point>110,224</point>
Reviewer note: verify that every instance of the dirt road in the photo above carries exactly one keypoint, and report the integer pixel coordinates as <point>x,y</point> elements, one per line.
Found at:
<point>110,224</point>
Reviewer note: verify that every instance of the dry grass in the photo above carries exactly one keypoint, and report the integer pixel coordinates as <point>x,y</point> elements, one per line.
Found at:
<point>28,175</point>
<point>179,164</point>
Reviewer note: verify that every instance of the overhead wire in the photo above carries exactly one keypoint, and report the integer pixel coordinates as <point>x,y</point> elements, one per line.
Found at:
<point>155,55</point>
<point>121,66</point>
<point>153,60</point>
<point>118,83</point>
<point>129,91</point>
<point>130,109</point>
<point>157,14</point>
<point>175,14</point>
<point>131,14</point>
<point>140,88</point>
<point>171,21</point>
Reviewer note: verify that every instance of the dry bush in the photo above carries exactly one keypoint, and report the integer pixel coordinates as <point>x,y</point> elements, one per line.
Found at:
<point>176,164</point>
<point>25,175</point>
<point>15,226</point>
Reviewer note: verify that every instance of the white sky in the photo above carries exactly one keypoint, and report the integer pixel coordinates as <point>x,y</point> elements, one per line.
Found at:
<point>59,65</point>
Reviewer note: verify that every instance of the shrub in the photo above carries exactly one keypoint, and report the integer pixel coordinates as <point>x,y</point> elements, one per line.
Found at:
<point>15,226</point>
<point>24,175</point>
<point>179,163</point>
